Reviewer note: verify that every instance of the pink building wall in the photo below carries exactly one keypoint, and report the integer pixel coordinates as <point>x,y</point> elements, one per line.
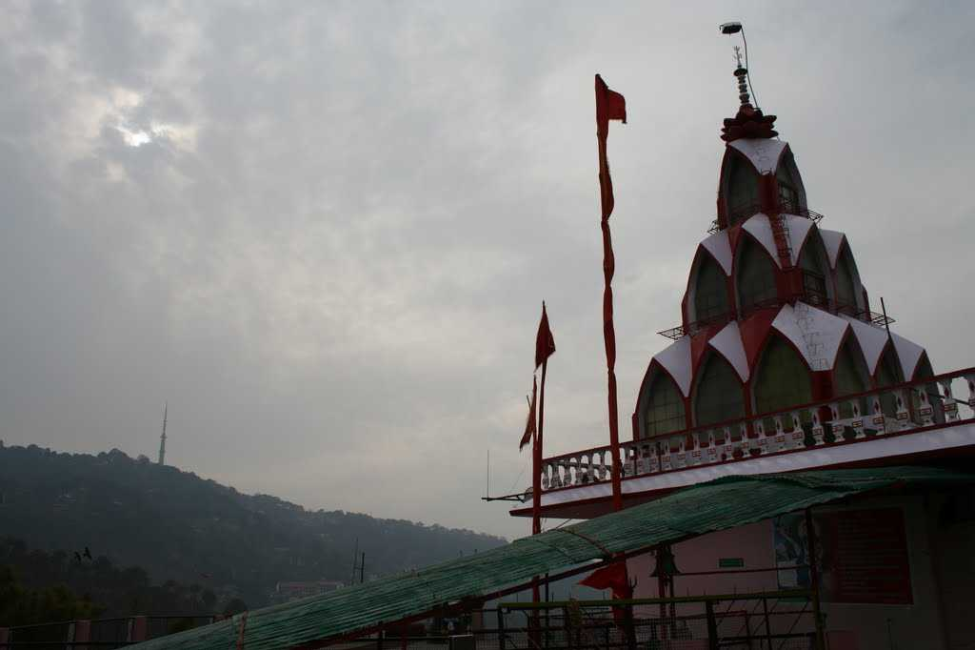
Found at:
<point>926,623</point>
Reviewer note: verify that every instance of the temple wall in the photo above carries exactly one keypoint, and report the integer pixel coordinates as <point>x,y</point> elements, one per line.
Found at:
<point>930,587</point>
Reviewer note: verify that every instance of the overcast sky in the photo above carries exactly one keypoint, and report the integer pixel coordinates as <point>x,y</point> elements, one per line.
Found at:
<point>323,231</point>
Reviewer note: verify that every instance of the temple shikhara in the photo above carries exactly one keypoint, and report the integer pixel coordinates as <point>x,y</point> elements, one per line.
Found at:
<point>781,362</point>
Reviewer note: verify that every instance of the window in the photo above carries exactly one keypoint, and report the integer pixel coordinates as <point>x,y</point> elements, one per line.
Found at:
<point>845,286</point>
<point>665,407</point>
<point>782,380</point>
<point>788,194</point>
<point>849,377</point>
<point>756,276</point>
<point>813,276</point>
<point>889,374</point>
<point>924,371</point>
<point>719,396</point>
<point>741,191</point>
<point>791,195</point>
<point>710,291</point>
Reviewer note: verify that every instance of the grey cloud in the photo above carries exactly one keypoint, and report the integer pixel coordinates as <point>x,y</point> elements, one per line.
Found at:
<point>329,253</point>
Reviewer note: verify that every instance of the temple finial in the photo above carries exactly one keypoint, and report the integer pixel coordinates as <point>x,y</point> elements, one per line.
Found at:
<point>749,122</point>
<point>741,73</point>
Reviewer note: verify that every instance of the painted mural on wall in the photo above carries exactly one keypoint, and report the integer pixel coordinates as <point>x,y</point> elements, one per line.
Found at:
<point>862,555</point>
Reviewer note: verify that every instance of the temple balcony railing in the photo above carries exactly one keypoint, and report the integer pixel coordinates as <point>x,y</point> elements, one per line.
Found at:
<point>903,409</point>
<point>811,298</point>
<point>740,213</point>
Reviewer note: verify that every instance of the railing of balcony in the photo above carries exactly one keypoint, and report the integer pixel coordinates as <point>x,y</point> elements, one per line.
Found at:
<point>908,408</point>
<point>742,212</point>
<point>818,300</point>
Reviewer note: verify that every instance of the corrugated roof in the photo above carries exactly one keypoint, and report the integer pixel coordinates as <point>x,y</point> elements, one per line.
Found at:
<point>717,505</point>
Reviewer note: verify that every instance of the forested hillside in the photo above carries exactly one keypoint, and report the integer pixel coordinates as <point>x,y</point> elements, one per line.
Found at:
<point>181,527</point>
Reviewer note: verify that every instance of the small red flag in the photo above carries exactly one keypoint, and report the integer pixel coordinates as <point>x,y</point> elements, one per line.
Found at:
<point>530,427</point>
<point>544,342</point>
<point>610,577</point>
<point>610,105</point>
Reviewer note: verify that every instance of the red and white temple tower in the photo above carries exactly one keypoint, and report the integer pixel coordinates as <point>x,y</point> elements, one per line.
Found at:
<point>780,363</point>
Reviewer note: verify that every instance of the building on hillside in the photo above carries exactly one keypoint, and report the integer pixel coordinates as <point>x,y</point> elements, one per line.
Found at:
<point>781,363</point>
<point>293,590</point>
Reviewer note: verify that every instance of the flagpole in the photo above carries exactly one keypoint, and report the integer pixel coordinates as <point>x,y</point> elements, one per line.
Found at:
<point>537,459</point>
<point>609,268</point>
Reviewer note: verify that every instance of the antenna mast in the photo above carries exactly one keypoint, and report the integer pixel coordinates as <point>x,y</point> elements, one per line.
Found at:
<point>162,438</point>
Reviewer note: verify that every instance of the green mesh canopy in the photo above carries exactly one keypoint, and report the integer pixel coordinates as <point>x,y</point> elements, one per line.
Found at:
<point>696,510</point>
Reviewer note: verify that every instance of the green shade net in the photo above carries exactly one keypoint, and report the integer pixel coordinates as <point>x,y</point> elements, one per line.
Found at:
<point>717,505</point>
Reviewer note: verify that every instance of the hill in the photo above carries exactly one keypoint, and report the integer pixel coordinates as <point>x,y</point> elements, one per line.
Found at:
<point>178,526</point>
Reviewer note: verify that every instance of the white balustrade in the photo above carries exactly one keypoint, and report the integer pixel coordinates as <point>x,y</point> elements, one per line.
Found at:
<point>916,405</point>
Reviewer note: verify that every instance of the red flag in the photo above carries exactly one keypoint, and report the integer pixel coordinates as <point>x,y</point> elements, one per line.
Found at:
<point>610,105</point>
<point>530,427</point>
<point>610,577</point>
<point>544,342</point>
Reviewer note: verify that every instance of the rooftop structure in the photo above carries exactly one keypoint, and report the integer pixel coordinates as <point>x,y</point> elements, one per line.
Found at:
<point>780,362</point>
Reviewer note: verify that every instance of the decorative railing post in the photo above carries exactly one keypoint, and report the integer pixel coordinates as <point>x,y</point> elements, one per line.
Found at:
<point>545,483</point>
<point>712,452</point>
<point>666,462</point>
<point>653,465</point>
<point>834,413</point>
<point>950,404</point>
<point>817,428</point>
<point>680,460</point>
<point>925,411</point>
<point>762,438</point>
<point>642,461</point>
<point>798,435</point>
<point>970,380</point>
<point>695,457</point>
<point>903,415</point>
<point>744,442</point>
<point>779,443</point>
<point>857,422</point>
<point>630,466</point>
<point>878,420</point>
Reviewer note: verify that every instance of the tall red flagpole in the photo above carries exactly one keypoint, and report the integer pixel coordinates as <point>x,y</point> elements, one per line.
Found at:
<point>544,348</point>
<point>609,106</point>
<point>537,459</point>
